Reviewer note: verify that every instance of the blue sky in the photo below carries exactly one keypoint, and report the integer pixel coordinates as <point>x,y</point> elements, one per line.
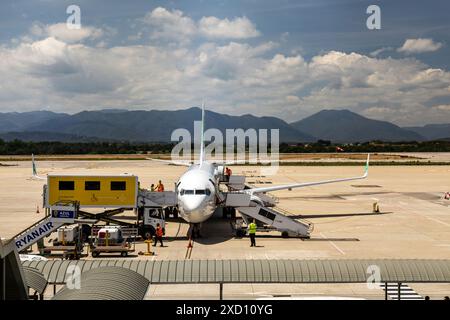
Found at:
<point>288,59</point>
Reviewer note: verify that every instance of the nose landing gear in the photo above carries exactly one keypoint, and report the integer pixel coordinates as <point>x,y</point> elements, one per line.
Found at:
<point>194,231</point>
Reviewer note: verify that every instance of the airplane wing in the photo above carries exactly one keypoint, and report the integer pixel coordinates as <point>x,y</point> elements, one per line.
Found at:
<point>173,162</point>
<point>231,162</point>
<point>308,184</point>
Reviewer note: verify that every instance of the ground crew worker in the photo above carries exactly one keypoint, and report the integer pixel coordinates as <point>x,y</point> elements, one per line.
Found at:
<point>227,173</point>
<point>158,235</point>
<point>152,188</point>
<point>160,187</point>
<point>252,233</point>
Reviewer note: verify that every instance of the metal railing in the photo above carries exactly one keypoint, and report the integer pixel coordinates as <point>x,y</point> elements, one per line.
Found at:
<point>289,214</point>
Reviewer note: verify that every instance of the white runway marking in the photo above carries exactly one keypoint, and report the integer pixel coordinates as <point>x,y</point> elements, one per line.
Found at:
<point>438,221</point>
<point>333,244</point>
<point>404,205</point>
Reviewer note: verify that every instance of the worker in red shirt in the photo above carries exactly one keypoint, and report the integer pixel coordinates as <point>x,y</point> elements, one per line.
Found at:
<point>160,187</point>
<point>227,173</point>
<point>159,232</point>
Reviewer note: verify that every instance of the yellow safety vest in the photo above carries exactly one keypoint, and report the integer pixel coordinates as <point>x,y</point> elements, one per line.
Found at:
<point>252,228</point>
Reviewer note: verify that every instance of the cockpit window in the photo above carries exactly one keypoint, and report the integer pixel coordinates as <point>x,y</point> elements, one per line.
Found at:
<point>196,191</point>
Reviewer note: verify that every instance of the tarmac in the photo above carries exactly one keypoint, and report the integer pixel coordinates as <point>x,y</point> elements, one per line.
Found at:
<point>414,221</point>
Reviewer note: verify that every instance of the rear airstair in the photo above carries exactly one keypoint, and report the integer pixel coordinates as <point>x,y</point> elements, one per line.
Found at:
<point>268,217</point>
<point>272,219</point>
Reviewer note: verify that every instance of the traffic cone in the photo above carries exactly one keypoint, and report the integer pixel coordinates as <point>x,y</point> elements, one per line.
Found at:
<point>37,209</point>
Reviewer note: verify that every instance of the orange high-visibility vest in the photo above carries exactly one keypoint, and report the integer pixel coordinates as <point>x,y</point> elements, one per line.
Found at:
<point>159,232</point>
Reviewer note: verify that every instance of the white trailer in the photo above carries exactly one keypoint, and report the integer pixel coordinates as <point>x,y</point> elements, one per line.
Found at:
<point>111,239</point>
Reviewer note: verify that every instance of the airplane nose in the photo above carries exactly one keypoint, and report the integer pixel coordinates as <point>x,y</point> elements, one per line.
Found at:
<point>191,204</point>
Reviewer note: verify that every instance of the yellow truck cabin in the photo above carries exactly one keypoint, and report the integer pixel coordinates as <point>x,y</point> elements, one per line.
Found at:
<point>93,191</point>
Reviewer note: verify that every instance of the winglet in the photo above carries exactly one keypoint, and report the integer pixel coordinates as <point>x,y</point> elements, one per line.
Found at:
<point>366,169</point>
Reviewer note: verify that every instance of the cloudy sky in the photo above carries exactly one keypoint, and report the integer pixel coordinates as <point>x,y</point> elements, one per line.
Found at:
<point>285,58</point>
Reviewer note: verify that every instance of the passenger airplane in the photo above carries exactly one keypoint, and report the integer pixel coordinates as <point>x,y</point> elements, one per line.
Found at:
<point>197,188</point>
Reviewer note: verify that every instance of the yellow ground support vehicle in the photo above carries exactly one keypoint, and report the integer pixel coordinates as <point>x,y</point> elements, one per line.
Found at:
<point>93,191</point>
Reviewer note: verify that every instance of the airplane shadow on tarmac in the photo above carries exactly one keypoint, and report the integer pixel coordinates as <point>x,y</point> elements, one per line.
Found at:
<point>334,196</point>
<point>217,230</point>
<point>338,215</point>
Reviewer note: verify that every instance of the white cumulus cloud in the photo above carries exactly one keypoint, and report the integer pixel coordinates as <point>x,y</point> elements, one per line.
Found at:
<point>235,77</point>
<point>419,45</point>
<point>61,32</point>
<point>170,24</point>
<point>237,28</point>
<point>175,25</point>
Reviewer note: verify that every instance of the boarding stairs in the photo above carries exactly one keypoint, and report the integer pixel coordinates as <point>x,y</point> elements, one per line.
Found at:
<point>268,217</point>
<point>235,182</point>
<point>59,214</point>
<point>36,231</point>
<point>163,199</point>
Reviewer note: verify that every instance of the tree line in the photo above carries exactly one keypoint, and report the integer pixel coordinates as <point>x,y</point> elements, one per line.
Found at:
<point>18,147</point>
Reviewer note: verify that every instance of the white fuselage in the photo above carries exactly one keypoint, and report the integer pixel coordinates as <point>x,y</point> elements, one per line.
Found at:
<point>196,192</point>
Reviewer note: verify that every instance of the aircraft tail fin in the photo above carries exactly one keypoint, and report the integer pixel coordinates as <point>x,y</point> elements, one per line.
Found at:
<point>33,164</point>
<point>202,141</point>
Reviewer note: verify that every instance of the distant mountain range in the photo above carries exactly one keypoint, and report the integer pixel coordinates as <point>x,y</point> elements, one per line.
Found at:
<point>347,126</point>
<point>157,126</point>
<point>432,131</point>
<point>122,125</point>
